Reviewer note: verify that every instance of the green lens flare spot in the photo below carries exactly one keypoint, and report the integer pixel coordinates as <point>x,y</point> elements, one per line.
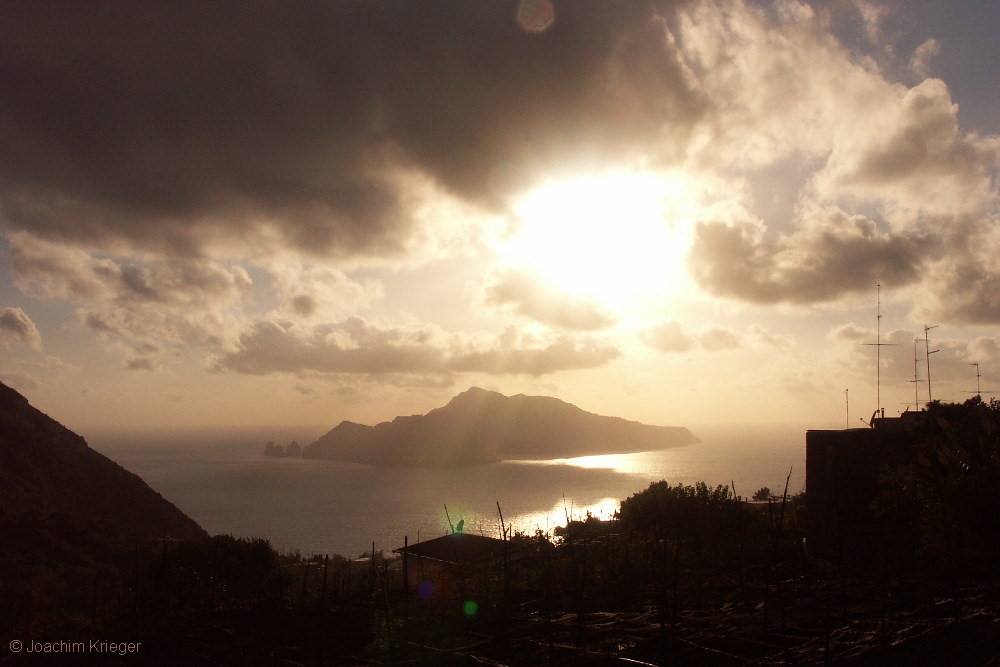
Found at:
<point>470,608</point>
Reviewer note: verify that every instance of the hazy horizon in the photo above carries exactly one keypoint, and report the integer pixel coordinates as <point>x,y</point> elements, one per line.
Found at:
<point>282,434</point>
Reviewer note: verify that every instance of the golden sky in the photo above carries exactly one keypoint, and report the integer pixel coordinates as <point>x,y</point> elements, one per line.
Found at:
<point>272,213</point>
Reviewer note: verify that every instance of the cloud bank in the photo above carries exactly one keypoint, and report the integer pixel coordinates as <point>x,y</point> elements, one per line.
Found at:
<point>213,177</point>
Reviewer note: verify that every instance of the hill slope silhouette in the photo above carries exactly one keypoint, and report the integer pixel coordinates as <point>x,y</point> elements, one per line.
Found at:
<point>59,495</point>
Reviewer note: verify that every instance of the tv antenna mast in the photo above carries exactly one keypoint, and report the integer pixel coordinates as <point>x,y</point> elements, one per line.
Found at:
<point>878,345</point>
<point>978,391</point>
<point>847,410</point>
<point>927,355</point>
<point>916,380</point>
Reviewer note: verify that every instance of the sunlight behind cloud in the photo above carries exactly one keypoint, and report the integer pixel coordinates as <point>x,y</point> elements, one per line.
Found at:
<point>620,238</point>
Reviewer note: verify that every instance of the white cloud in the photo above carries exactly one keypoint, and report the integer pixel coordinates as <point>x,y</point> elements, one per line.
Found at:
<point>317,292</point>
<point>766,338</point>
<point>852,333</point>
<point>16,325</point>
<point>915,157</point>
<point>922,56</point>
<point>529,295</point>
<point>872,15</point>
<point>715,339</point>
<point>671,337</point>
<point>354,346</point>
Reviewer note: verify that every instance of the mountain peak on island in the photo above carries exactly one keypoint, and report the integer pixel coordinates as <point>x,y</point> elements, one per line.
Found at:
<point>482,426</point>
<point>473,395</point>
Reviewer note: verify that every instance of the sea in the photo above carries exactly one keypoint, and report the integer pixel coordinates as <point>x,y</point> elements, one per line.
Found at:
<point>223,481</point>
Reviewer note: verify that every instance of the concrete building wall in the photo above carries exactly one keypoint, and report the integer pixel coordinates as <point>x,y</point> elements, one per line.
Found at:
<point>844,470</point>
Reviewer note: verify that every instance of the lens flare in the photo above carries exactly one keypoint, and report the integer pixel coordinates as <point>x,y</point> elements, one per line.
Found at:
<point>535,15</point>
<point>425,590</point>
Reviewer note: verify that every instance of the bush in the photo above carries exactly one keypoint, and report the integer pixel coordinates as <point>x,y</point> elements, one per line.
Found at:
<point>945,500</point>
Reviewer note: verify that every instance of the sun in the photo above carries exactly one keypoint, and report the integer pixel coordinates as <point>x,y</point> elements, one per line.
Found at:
<point>619,239</point>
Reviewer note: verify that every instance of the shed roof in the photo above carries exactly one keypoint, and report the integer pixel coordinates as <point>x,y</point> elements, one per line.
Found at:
<point>456,548</point>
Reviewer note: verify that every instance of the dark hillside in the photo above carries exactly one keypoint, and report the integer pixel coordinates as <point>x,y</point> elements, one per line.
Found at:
<point>50,475</point>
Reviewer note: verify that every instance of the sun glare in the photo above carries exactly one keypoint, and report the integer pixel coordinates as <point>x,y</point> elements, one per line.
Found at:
<point>619,239</point>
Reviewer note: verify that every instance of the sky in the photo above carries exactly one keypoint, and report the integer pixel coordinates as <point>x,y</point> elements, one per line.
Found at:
<point>682,212</point>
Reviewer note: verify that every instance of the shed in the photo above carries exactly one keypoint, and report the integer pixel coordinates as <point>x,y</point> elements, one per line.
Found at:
<point>443,561</point>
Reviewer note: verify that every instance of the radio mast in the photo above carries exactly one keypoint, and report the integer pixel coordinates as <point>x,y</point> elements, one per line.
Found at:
<point>979,391</point>
<point>916,380</point>
<point>878,345</point>
<point>927,354</point>
<point>847,409</point>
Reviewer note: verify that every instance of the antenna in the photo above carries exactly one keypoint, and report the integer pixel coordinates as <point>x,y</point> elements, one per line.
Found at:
<point>878,345</point>
<point>916,380</point>
<point>927,354</point>
<point>847,409</point>
<point>978,391</point>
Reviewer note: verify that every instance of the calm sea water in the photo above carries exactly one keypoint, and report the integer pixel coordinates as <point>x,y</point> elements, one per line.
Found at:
<point>226,484</point>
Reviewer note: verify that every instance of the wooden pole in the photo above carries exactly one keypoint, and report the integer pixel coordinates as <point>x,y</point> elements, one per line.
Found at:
<point>406,571</point>
<point>503,527</point>
<point>326,568</point>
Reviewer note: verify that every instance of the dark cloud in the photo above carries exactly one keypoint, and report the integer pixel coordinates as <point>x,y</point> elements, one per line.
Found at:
<point>56,270</point>
<point>146,306</point>
<point>15,324</point>
<point>833,256</point>
<point>968,294</point>
<point>304,305</point>
<point>965,283</point>
<point>985,350</point>
<point>530,296</point>
<point>173,127</point>
<point>355,346</point>
<point>140,364</point>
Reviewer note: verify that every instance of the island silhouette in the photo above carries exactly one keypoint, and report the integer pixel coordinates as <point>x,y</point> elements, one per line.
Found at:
<point>480,426</point>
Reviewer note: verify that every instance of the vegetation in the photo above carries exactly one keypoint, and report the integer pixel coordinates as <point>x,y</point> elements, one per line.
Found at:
<point>941,507</point>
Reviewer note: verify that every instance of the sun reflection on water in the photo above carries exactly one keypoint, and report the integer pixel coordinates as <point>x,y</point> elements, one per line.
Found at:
<point>622,463</point>
<point>546,521</point>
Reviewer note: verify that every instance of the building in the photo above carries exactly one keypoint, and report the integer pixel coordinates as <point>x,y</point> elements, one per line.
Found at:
<point>844,472</point>
<point>442,567</point>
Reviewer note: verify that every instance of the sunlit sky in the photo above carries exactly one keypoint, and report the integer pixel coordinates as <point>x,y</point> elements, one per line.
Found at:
<point>274,213</point>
